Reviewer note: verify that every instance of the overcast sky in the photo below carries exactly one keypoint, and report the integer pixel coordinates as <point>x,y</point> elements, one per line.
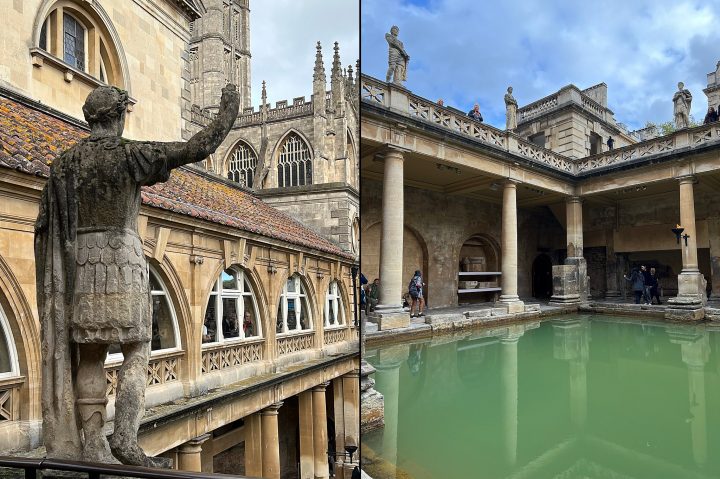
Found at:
<point>283,35</point>
<point>468,51</point>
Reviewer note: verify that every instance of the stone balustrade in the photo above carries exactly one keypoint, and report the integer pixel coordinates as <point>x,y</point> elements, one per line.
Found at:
<point>162,369</point>
<point>378,93</point>
<point>10,398</point>
<point>293,342</point>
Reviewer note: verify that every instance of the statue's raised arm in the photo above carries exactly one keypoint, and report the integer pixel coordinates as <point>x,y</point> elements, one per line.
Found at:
<point>205,142</point>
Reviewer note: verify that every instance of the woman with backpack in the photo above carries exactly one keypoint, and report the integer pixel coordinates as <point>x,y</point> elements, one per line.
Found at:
<point>415,288</point>
<point>637,279</point>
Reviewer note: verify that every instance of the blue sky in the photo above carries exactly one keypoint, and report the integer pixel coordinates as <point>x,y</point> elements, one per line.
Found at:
<point>283,34</point>
<point>468,51</point>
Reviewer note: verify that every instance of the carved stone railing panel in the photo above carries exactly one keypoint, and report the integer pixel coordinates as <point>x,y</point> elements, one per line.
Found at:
<point>541,155</point>
<point>161,370</point>
<point>538,108</point>
<point>294,343</point>
<point>373,91</point>
<point>10,399</point>
<point>590,104</point>
<point>333,336</point>
<point>686,138</point>
<point>229,356</point>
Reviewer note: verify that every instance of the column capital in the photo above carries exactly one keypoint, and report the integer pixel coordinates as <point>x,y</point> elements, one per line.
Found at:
<point>321,387</point>
<point>272,410</point>
<point>574,199</point>
<point>193,445</point>
<point>511,183</point>
<point>686,179</point>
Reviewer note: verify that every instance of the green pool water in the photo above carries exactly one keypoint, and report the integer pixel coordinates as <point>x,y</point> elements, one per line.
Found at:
<point>578,397</point>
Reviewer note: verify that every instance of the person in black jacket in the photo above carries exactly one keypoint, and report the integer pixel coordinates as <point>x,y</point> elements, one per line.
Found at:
<point>711,116</point>
<point>648,284</point>
<point>654,286</point>
<point>637,280</point>
<point>475,113</point>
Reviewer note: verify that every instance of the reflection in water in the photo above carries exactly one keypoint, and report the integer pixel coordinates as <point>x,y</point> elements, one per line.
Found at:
<point>588,396</point>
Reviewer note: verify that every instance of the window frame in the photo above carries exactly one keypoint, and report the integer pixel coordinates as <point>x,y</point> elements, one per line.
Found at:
<point>220,293</point>
<point>251,159</point>
<point>298,295</point>
<point>12,348</point>
<point>85,39</point>
<point>289,162</point>
<point>335,296</point>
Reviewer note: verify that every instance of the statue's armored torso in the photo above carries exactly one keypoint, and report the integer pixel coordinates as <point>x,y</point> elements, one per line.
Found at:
<point>111,301</point>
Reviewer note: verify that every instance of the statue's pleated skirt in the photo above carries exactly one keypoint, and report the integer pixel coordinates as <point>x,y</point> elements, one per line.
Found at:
<point>112,293</point>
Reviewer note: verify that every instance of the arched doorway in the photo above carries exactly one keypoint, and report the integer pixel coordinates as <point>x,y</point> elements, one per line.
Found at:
<point>542,281</point>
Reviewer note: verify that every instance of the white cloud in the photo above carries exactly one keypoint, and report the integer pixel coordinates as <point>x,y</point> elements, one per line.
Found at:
<point>466,51</point>
<point>283,34</point>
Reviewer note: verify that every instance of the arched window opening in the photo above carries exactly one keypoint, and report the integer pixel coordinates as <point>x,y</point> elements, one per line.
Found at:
<point>8,353</point>
<point>79,34</point>
<point>294,163</point>
<point>232,311</point>
<point>165,332</point>
<point>293,311</point>
<point>334,312</point>
<point>242,164</point>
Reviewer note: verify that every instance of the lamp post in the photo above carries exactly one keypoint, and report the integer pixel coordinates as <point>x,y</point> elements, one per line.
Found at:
<point>678,230</point>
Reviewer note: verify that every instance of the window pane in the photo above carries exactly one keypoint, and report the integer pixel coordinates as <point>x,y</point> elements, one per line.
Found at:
<point>229,279</point>
<point>249,321</point>
<point>163,331</point>
<point>304,317</point>
<point>291,285</point>
<point>291,317</point>
<point>5,364</point>
<point>230,324</point>
<point>210,326</point>
<point>155,283</point>
<point>43,36</point>
<point>331,311</point>
<point>279,326</point>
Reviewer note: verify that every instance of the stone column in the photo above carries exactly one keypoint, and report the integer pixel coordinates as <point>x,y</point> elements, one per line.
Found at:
<point>508,249</point>
<point>307,451</point>
<point>509,377</point>
<point>189,454</point>
<point>320,438</point>
<point>270,442</point>
<point>253,445</point>
<point>570,283</point>
<point>389,310</point>
<point>688,305</point>
<point>612,290</point>
<point>351,407</point>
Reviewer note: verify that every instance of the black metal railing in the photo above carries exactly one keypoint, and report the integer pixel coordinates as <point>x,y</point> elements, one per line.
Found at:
<point>32,466</point>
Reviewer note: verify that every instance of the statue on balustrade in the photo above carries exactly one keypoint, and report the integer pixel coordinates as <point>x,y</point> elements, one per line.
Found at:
<point>511,108</point>
<point>397,58</point>
<point>682,100</point>
<point>93,280</point>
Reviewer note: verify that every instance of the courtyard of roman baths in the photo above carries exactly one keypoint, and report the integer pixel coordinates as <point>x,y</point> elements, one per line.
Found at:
<point>534,356</point>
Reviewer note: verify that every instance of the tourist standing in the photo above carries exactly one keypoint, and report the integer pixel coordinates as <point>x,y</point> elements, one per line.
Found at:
<point>637,280</point>
<point>654,286</point>
<point>610,143</point>
<point>648,284</point>
<point>415,288</point>
<point>475,113</point>
<point>711,116</point>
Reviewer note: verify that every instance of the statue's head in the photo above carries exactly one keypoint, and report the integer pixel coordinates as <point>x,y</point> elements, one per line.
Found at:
<point>509,89</point>
<point>394,30</point>
<point>104,110</point>
<point>681,85</point>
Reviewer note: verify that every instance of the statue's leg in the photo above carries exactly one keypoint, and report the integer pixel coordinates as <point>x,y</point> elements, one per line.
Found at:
<point>130,407</point>
<point>389,73</point>
<point>91,401</point>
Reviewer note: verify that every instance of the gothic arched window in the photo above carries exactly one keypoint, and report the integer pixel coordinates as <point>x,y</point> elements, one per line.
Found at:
<point>294,162</point>
<point>232,311</point>
<point>242,164</point>
<point>8,354</point>
<point>294,313</point>
<point>334,313</point>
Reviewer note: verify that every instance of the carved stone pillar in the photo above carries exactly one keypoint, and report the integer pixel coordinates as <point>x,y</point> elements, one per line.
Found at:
<point>508,249</point>
<point>190,454</point>
<point>389,314</point>
<point>270,442</point>
<point>320,438</point>
<point>570,284</point>
<point>351,407</point>
<point>253,445</point>
<point>688,304</point>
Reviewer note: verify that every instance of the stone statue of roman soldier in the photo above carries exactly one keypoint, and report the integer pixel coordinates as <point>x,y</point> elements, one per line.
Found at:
<point>93,280</point>
<point>682,100</point>
<point>511,107</point>
<point>397,58</point>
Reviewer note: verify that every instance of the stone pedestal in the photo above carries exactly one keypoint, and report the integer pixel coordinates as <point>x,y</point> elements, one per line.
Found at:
<point>390,318</point>
<point>565,284</point>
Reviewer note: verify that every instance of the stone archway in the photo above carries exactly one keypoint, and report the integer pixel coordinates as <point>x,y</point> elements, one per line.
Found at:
<point>542,282</point>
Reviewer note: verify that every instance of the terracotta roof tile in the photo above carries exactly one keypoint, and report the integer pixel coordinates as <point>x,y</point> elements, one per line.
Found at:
<point>30,139</point>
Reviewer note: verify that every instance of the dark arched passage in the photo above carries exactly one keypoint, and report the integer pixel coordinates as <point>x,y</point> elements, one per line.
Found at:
<point>542,282</point>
